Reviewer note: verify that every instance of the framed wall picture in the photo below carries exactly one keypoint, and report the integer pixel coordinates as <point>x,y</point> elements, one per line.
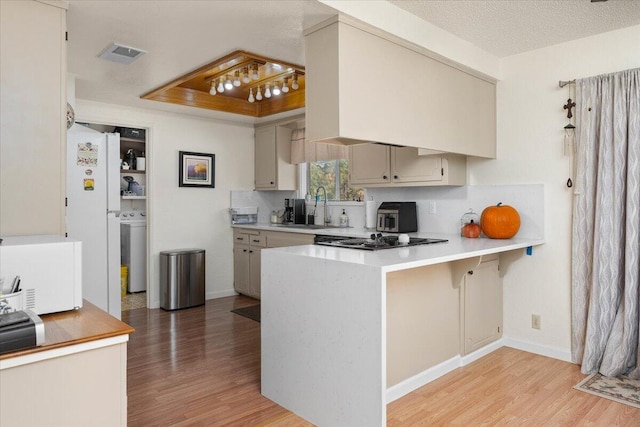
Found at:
<point>197,169</point>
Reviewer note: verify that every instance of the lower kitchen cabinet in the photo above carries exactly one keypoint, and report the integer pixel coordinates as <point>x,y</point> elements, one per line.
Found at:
<point>247,247</point>
<point>482,306</point>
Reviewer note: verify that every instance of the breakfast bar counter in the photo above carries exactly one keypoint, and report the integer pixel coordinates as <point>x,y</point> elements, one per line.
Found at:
<point>346,331</point>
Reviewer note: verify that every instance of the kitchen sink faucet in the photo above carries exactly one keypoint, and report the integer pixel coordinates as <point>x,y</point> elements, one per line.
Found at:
<point>327,218</point>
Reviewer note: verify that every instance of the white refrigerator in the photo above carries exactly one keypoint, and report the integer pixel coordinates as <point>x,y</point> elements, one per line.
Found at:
<point>93,209</point>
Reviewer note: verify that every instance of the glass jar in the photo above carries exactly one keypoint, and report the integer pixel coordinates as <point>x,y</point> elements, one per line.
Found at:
<point>470,225</point>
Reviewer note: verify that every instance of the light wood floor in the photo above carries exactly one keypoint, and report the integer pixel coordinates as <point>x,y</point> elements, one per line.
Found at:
<point>201,367</point>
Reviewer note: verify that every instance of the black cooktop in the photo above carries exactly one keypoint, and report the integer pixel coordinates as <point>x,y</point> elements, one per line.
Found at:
<point>376,242</point>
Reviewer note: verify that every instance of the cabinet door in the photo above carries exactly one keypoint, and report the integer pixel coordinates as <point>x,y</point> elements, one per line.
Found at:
<point>241,269</point>
<point>265,158</point>
<point>368,164</point>
<point>407,166</point>
<point>482,306</point>
<point>33,104</point>
<point>254,272</point>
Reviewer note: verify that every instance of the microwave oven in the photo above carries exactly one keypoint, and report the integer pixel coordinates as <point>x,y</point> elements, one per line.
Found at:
<point>50,271</point>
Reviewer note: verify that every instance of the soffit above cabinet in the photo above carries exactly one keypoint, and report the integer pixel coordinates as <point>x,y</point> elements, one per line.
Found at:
<point>194,89</point>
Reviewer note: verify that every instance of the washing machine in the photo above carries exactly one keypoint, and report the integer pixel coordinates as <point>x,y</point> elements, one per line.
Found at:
<point>133,248</point>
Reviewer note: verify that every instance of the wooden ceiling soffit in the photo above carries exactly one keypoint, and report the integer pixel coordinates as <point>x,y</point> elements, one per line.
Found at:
<point>193,89</point>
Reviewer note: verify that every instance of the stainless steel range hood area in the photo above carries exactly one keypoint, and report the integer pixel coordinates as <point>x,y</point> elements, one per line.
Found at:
<point>364,85</point>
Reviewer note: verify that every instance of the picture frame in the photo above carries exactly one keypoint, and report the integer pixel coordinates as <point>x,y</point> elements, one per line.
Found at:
<point>196,169</point>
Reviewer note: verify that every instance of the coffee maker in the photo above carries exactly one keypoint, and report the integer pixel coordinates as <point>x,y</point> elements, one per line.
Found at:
<point>294,211</point>
<point>288,211</point>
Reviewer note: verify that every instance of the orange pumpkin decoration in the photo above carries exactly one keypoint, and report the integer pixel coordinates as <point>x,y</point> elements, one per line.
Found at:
<point>471,230</point>
<point>500,221</point>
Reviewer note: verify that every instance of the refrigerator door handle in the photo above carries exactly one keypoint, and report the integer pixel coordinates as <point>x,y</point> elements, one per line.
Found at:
<point>113,172</point>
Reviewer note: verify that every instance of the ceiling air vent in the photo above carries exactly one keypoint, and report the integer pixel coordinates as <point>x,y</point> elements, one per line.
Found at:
<point>122,54</point>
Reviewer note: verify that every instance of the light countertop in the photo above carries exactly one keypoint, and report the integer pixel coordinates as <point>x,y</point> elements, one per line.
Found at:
<point>395,259</point>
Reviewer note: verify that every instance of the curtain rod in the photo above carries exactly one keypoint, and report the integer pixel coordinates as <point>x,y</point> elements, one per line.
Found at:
<point>563,83</point>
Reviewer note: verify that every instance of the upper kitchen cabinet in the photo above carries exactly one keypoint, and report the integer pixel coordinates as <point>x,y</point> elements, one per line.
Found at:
<point>273,168</point>
<point>32,117</point>
<point>377,165</point>
<point>364,85</point>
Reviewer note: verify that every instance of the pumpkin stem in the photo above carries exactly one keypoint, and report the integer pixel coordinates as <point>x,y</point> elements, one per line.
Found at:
<point>499,203</point>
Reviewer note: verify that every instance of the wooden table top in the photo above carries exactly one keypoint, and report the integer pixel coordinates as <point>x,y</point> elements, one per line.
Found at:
<point>74,327</point>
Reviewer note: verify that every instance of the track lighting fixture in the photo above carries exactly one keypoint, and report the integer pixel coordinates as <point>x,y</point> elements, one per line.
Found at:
<point>212,91</point>
<point>276,89</point>
<point>267,92</point>
<point>294,84</point>
<point>236,78</point>
<point>245,75</point>
<point>251,98</point>
<point>259,94</point>
<point>285,85</point>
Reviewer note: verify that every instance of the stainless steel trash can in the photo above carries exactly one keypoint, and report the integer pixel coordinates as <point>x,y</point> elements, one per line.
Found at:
<point>182,280</point>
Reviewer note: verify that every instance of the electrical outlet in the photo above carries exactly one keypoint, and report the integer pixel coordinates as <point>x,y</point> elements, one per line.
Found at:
<point>432,207</point>
<point>535,321</point>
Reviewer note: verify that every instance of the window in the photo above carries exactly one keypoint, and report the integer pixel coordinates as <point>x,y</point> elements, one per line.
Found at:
<point>333,175</point>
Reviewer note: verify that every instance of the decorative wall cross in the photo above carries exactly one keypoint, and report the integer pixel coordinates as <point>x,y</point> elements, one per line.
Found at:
<point>569,105</point>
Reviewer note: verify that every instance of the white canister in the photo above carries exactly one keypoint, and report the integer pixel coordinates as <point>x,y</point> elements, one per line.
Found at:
<point>141,163</point>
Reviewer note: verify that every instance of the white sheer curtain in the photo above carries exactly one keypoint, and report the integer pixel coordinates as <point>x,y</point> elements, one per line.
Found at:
<point>303,151</point>
<point>606,225</point>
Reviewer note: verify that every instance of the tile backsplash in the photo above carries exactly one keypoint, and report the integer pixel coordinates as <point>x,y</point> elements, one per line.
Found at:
<point>450,204</point>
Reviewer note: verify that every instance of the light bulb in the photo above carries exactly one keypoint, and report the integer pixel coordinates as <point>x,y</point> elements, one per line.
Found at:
<point>285,86</point>
<point>259,94</point>
<point>245,75</point>
<point>255,75</point>
<point>220,87</point>
<point>228,84</point>
<point>276,89</point>
<point>267,92</point>
<point>212,91</point>
<point>251,98</point>
<point>236,79</point>
<point>294,84</point>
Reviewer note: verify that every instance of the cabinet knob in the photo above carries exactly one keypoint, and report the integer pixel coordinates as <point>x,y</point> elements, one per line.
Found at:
<point>271,182</point>
<point>250,252</point>
<point>395,177</point>
<point>256,241</point>
<point>384,177</point>
<point>470,272</point>
<point>244,250</point>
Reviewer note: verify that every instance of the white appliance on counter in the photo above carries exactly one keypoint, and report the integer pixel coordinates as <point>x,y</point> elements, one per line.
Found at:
<point>50,271</point>
<point>93,206</point>
<point>133,248</point>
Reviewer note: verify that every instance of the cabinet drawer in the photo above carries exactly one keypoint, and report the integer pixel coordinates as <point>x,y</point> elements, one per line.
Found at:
<point>240,238</point>
<point>260,241</point>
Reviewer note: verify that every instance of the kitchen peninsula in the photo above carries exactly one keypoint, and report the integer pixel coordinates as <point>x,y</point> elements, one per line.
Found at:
<point>346,331</point>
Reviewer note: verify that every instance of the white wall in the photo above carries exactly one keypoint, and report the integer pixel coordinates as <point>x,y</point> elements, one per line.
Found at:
<point>530,135</point>
<point>186,217</point>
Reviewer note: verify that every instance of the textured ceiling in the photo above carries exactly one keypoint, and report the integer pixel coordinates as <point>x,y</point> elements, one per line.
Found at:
<point>508,27</point>
<point>181,36</point>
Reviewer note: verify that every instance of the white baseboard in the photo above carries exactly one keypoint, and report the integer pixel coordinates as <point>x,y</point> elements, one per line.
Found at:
<point>542,350</point>
<point>424,377</point>
<point>220,294</point>
<point>481,352</point>
<point>435,372</point>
